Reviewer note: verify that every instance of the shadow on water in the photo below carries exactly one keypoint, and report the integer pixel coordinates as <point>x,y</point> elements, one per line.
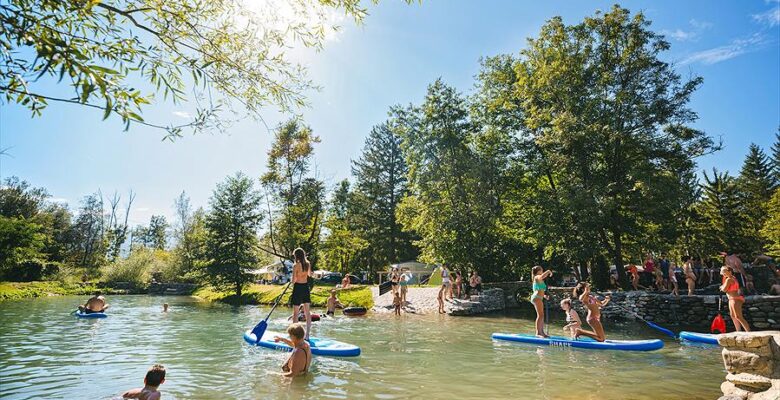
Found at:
<point>48,353</point>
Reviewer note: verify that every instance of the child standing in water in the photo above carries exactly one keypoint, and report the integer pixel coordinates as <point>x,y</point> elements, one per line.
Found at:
<point>397,304</point>
<point>300,358</point>
<point>332,303</point>
<point>573,321</point>
<point>154,378</point>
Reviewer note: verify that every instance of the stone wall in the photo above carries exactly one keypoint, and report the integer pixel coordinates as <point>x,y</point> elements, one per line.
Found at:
<point>752,361</point>
<point>487,301</point>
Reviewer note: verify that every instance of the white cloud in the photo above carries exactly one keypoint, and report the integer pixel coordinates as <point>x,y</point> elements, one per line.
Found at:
<point>726,52</point>
<point>682,35</point>
<point>182,114</point>
<point>770,17</point>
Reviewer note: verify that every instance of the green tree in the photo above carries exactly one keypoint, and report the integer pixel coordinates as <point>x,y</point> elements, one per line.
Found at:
<point>721,215</point>
<point>232,225</point>
<point>217,53</point>
<point>771,229</point>
<point>342,242</point>
<point>297,198</point>
<point>190,236</point>
<point>380,184</point>
<point>89,233</point>
<point>21,249</point>
<point>605,123</point>
<point>756,185</point>
<point>776,157</point>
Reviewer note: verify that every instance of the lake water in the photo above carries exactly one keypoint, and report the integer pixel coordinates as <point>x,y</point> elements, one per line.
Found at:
<point>45,353</point>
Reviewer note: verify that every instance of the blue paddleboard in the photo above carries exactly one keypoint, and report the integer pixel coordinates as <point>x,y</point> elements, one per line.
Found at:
<point>91,315</point>
<point>319,347</point>
<point>707,338</point>
<point>582,343</point>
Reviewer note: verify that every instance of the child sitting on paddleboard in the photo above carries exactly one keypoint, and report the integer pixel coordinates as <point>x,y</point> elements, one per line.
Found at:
<point>593,305</point>
<point>154,378</point>
<point>573,321</point>
<point>332,303</point>
<point>300,358</point>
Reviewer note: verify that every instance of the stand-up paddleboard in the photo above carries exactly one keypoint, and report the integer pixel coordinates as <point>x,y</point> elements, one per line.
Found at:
<point>696,337</point>
<point>582,343</point>
<point>82,314</point>
<point>319,347</point>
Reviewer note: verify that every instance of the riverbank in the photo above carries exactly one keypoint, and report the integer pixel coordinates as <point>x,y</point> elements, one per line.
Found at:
<point>23,290</point>
<point>357,296</point>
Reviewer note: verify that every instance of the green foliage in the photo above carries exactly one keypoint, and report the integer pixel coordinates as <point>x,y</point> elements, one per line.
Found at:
<point>756,183</point>
<point>342,241</point>
<point>771,230</point>
<point>298,200</point>
<point>720,210</point>
<point>357,296</point>
<point>139,268</point>
<point>232,225</point>
<point>370,211</point>
<point>21,246</point>
<point>154,236</point>
<point>23,290</point>
<point>180,49</point>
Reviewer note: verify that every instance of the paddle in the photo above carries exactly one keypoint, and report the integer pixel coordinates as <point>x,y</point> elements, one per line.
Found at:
<point>385,287</point>
<point>261,326</point>
<point>650,324</point>
<point>718,324</point>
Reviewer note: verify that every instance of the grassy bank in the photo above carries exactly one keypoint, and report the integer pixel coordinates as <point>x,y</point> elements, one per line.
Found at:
<point>358,296</point>
<point>23,290</point>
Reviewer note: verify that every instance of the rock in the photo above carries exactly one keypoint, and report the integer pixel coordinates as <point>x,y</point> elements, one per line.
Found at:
<point>731,392</point>
<point>737,361</point>
<point>750,382</point>
<point>745,340</point>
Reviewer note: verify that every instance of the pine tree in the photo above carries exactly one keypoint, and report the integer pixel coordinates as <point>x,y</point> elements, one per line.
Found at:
<point>776,158</point>
<point>721,215</point>
<point>380,184</point>
<point>341,243</point>
<point>771,229</point>
<point>232,225</point>
<point>756,185</point>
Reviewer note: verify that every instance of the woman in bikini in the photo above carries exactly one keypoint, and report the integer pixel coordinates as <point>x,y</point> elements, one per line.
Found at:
<point>582,291</point>
<point>537,297</point>
<point>300,359</point>
<point>301,294</point>
<point>730,286</point>
<point>690,277</point>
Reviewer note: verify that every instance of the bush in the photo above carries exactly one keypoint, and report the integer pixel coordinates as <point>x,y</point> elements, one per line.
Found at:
<point>136,268</point>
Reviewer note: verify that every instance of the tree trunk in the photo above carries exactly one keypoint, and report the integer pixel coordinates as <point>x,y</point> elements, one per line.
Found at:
<point>617,258</point>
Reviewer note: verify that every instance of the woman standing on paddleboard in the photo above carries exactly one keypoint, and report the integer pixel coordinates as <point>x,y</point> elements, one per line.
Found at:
<point>730,286</point>
<point>301,294</point>
<point>537,297</point>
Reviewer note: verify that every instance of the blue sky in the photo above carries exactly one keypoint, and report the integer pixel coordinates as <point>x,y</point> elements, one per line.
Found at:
<point>390,59</point>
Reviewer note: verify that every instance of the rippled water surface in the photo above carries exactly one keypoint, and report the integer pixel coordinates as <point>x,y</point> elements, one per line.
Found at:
<point>45,353</point>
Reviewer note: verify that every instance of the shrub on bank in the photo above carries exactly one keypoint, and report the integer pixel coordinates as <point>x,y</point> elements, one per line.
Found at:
<point>357,296</point>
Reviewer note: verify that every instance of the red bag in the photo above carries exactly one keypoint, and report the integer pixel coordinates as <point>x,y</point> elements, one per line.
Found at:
<point>718,324</point>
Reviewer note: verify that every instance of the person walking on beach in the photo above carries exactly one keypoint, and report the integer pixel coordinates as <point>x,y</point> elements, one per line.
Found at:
<point>594,305</point>
<point>301,294</point>
<point>730,286</point>
<point>446,283</point>
<point>403,285</point>
<point>538,295</point>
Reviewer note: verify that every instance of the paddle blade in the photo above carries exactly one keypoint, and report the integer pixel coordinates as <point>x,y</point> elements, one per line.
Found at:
<point>718,325</point>
<point>385,287</point>
<point>259,330</point>
<point>661,329</point>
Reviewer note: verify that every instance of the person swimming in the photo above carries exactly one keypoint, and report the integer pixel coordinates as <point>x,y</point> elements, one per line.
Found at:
<point>95,304</point>
<point>300,358</point>
<point>154,378</point>
<point>538,295</point>
<point>594,305</point>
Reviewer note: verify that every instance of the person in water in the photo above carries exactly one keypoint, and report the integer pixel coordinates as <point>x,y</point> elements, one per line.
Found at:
<point>730,286</point>
<point>395,278</point>
<point>301,294</point>
<point>582,291</point>
<point>397,304</point>
<point>165,307</point>
<point>95,304</point>
<point>154,378</point>
<point>573,321</point>
<point>537,297</point>
<point>300,359</point>
<point>332,303</point>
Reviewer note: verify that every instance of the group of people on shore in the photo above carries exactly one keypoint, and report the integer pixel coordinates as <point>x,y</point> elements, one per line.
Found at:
<point>453,286</point>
